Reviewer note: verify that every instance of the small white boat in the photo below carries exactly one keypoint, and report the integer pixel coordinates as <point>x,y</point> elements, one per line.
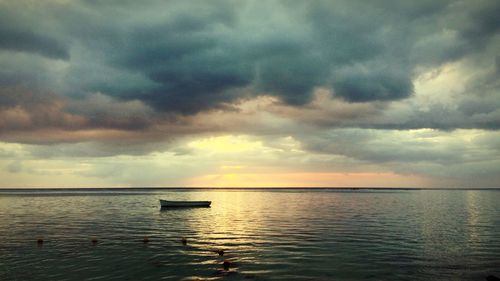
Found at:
<point>184,204</point>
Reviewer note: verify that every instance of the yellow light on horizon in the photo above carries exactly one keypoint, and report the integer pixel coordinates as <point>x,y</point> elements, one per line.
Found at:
<point>306,179</point>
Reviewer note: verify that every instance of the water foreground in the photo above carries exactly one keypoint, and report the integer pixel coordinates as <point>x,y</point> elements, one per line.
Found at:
<point>265,235</point>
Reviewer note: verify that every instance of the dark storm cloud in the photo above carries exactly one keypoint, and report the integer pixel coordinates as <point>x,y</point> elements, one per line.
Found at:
<point>197,60</point>
<point>189,57</point>
<point>19,35</point>
<point>480,20</point>
<point>28,41</point>
<point>363,51</point>
<point>360,87</point>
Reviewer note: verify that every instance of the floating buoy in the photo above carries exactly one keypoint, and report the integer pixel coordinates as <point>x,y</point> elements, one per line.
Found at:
<point>145,240</point>
<point>184,241</point>
<point>226,264</point>
<point>39,241</point>
<point>94,241</point>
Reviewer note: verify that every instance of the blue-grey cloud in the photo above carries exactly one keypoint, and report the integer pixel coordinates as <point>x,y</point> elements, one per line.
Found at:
<point>196,61</point>
<point>19,35</point>
<point>180,57</point>
<point>28,41</point>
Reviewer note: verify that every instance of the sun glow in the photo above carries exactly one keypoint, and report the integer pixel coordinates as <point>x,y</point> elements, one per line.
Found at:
<point>226,144</point>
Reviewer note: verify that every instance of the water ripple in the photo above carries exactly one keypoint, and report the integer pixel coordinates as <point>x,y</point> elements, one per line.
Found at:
<point>265,235</point>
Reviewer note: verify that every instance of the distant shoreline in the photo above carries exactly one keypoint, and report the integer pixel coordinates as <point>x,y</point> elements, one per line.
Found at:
<point>35,189</point>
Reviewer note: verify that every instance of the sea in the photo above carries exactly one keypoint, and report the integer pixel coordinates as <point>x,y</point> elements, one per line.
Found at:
<point>250,234</point>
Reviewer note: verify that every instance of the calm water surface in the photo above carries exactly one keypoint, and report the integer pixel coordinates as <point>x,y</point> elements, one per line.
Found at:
<point>266,235</point>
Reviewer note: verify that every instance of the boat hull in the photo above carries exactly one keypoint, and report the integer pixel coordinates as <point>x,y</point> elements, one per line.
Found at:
<point>184,204</point>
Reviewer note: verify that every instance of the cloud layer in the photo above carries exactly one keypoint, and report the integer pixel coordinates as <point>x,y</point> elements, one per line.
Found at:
<point>107,78</point>
<point>178,60</point>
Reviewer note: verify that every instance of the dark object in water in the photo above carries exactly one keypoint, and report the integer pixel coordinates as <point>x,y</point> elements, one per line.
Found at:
<point>184,204</point>
<point>184,241</point>
<point>94,241</point>
<point>220,252</point>
<point>226,264</point>
<point>492,278</point>
<point>145,240</point>
<point>39,241</point>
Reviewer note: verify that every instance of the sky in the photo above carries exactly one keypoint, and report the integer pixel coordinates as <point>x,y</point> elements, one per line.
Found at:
<point>125,93</point>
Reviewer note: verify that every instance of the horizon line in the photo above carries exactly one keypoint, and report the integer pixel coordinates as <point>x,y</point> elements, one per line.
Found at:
<point>243,188</point>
